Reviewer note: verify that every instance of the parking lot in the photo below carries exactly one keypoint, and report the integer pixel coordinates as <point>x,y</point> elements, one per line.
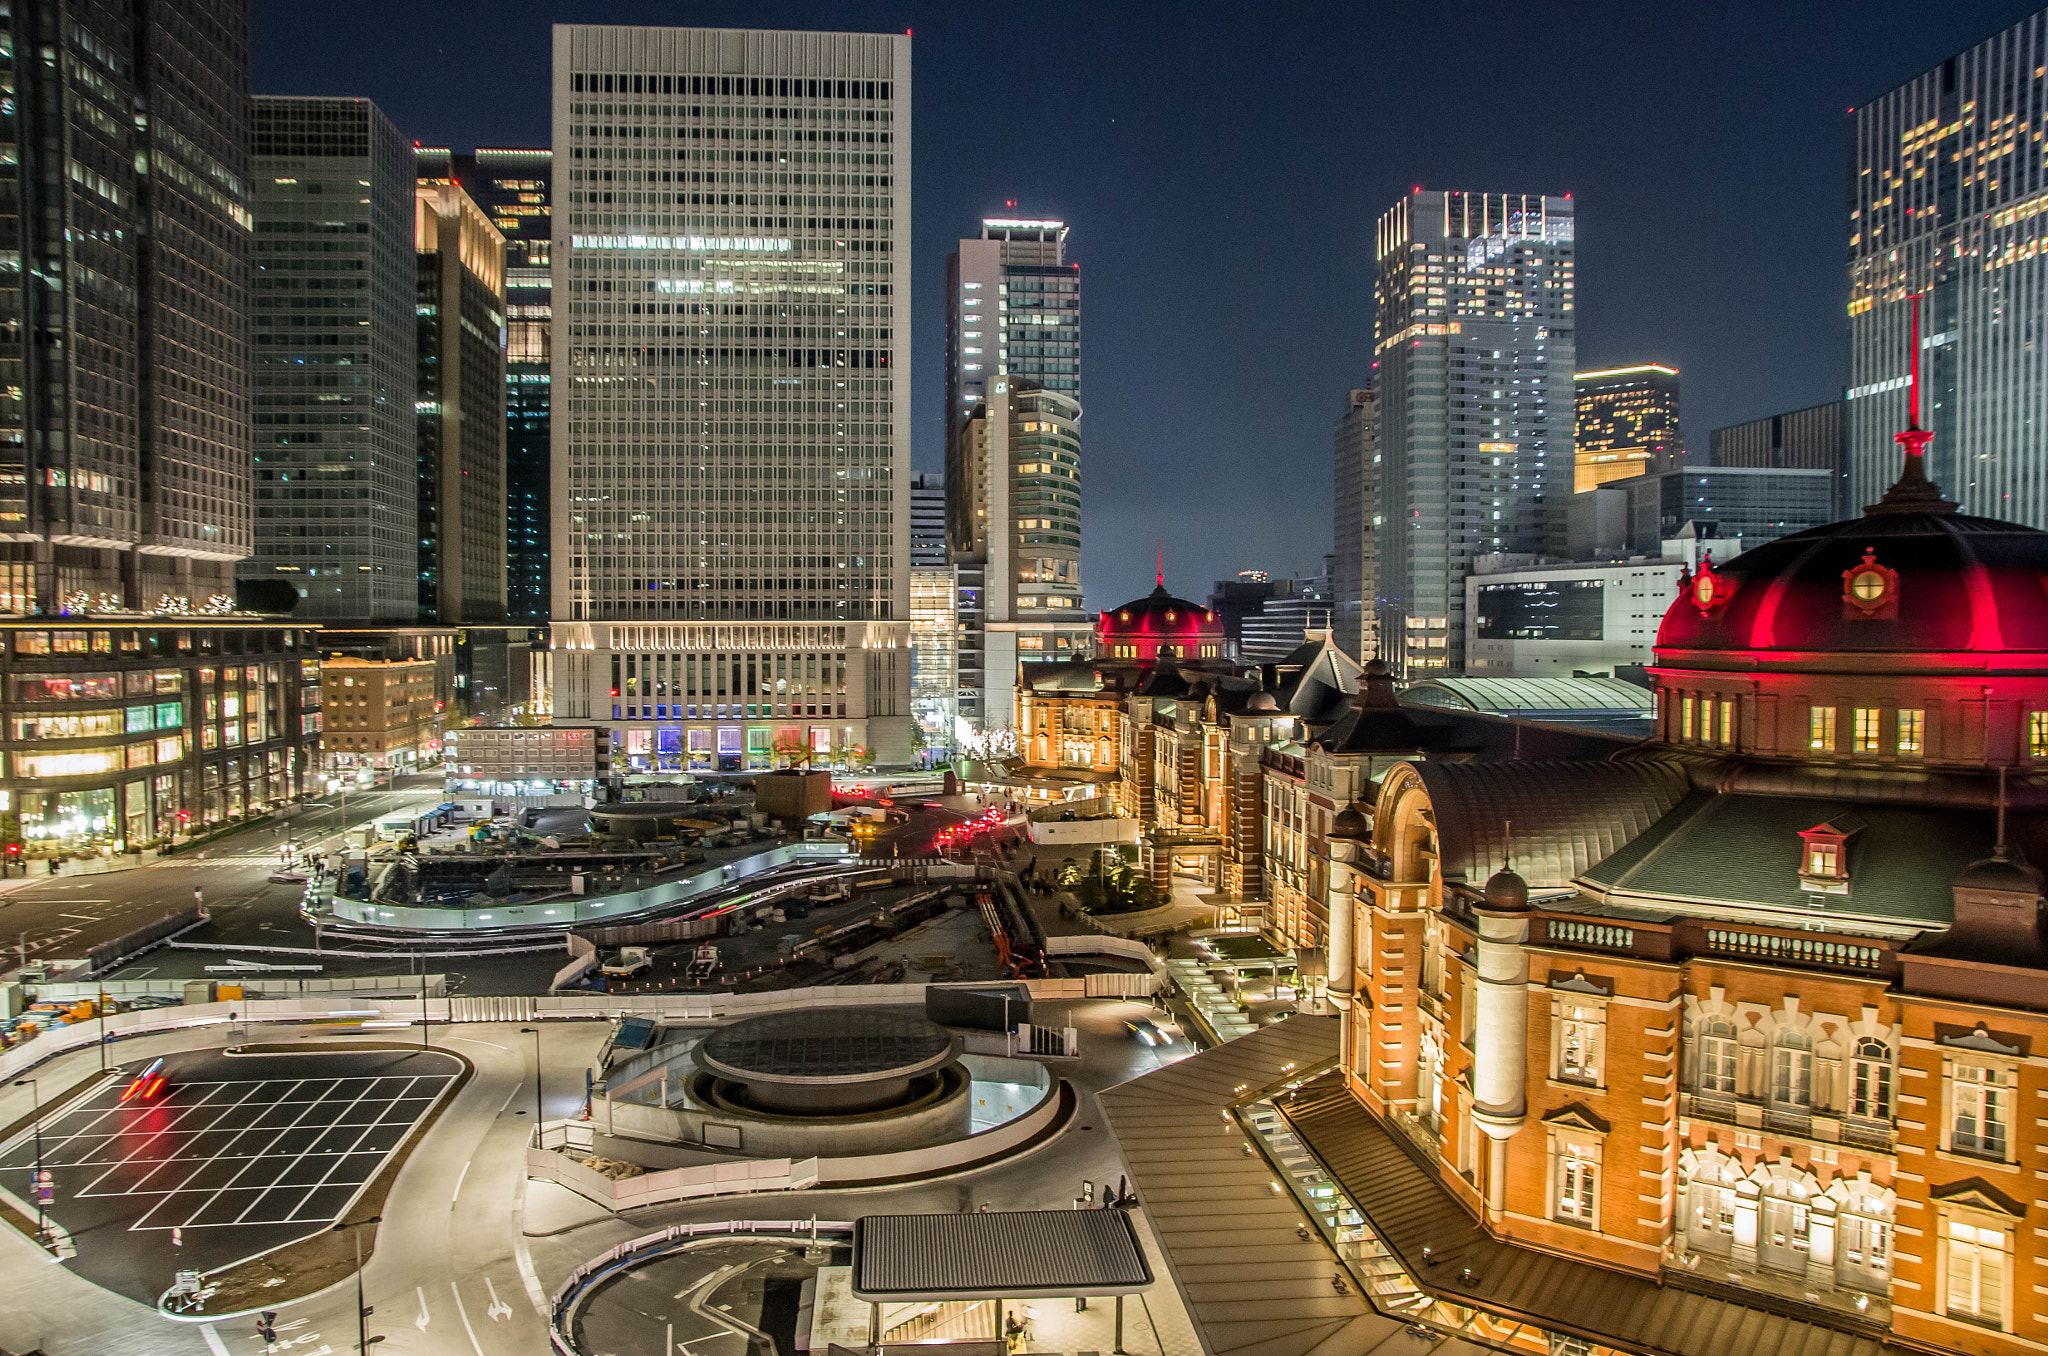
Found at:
<point>234,1155</point>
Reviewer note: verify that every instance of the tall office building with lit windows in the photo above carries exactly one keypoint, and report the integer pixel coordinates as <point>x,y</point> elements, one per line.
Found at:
<point>1354,564</point>
<point>1949,198</point>
<point>1013,456</point>
<point>512,185</point>
<point>124,443</point>
<point>1474,329</point>
<point>335,460</point>
<point>731,440</point>
<point>1625,424</point>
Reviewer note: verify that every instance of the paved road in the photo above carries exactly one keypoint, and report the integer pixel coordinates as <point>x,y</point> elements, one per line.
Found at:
<point>230,1157</point>
<point>66,916</point>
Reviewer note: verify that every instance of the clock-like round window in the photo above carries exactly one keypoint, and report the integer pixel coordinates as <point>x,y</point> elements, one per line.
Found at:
<point>1703,589</point>
<point>1169,614</point>
<point>1868,586</point>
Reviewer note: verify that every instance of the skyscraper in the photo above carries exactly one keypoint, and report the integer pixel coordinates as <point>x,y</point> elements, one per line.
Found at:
<point>1353,566</point>
<point>513,186</point>
<point>1945,200</point>
<point>124,477</point>
<point>1812,439</point>
<point>1474,325</point>
<point>1625,424</point>
<point>1013,483</point>
<point>730,471</point>
<point>459,402</point>
<point>934,624</point>
<point>335,459</point>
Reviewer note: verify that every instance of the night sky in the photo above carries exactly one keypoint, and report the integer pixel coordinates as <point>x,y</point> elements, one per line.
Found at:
<point>1222,167</point>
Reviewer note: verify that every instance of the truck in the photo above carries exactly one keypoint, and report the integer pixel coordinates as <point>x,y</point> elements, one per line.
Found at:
<point>631,960</point>
<point>705,963</point>
<point>829,890</point>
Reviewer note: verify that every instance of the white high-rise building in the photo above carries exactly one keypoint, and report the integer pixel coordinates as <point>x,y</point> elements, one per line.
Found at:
<point>731,372</point>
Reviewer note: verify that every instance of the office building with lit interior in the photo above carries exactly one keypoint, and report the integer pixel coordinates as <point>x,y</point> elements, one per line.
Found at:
<point>731,440</point>
<point>1354,564</point>
<point>1625,423</point>
<point>1475,335</point>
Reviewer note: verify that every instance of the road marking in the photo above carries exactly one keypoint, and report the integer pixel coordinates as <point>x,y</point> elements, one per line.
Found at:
<point>458,1179</point>
<point>499,1310</point>
<point>213,1342</point>
<point>88,917</point>
<point>465,1319</point>
<point>508,1097</point>
<point>422,1321</point>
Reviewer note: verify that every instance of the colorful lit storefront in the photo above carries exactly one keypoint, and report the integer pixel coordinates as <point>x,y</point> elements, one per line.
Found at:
<point>117,735</point>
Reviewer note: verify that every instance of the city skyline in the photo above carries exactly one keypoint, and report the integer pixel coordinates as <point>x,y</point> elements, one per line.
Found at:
<point>1669,160</point>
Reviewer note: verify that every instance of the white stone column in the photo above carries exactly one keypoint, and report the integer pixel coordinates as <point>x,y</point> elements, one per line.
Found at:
<point>1342,902</point>
<point>1500,1071</point>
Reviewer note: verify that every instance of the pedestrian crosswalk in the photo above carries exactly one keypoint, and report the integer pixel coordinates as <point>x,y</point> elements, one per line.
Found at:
<point>188,860</point>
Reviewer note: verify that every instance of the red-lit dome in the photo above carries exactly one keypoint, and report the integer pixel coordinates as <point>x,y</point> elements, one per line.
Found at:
<point>1888,582</point>
<point>1159,625</point>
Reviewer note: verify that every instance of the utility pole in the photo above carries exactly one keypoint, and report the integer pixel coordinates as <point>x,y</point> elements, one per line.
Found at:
<point>36,1092</point>
<point>534,1032</point>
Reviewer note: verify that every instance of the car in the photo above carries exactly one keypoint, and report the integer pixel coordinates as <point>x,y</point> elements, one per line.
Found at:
<point>1147,1032</point>
<point>631,960</point>
<point>145,1085</point>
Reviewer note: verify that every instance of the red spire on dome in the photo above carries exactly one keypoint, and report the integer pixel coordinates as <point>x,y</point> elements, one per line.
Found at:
<point>1913,492</point>
<point>1160,577</point>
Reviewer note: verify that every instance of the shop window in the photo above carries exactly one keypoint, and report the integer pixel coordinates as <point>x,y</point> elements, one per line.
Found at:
<point>1977,1269</point>
<point>1980,1102</point>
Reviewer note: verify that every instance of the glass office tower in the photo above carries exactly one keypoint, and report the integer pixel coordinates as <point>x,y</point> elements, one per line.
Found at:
<point>1946,199</point>
<point>335,459</point>
<point>1474,324</point>
<point>1354,565</point>
<point>731,369</point>
<point>124,361</point>
<point>1625,424</point>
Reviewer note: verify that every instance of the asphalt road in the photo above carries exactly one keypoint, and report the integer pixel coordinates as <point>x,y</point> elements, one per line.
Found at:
<point>66,916</point>
<point>233,1156</point>
<point>725,1299</point>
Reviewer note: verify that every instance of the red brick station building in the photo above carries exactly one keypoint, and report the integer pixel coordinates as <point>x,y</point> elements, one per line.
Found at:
<point>1750,1016</point>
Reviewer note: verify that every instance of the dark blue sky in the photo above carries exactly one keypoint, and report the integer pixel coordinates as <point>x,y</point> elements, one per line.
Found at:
<point>1222,166</point>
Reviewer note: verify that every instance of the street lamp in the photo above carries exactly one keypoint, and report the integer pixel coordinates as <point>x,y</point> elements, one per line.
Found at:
<point>36,1092</point>
<point>363,1338</point>
<point>534,1032</point>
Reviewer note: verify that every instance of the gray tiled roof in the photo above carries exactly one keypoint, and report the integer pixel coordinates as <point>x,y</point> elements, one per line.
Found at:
<point>999,1255</point>
<point>1564,816</point>
<point>1744,850</point>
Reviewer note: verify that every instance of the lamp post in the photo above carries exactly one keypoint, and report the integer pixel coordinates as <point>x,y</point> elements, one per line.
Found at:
<point>36,1092</point>
<point>363,1338</point>
<point>103,1028</point>
<point>534,1032</point>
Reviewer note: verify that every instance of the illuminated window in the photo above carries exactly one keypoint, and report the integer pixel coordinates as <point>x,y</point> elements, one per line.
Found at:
<point>1578,1175</point>
<point>1979,1107</point>
<point>1727,721</point>
<point>1870,1080</point>
<point>1910,726</point>
<point>1685,718</point>
<point>1866,729</point>
<point>1976,1273</point>
<point>1822,859</point>
<point>1820,728</point>
<point>1580,1029</point>
<point>2037,734</point>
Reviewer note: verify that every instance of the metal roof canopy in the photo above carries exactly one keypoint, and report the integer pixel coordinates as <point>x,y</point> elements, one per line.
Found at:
<point>1014,1254</point>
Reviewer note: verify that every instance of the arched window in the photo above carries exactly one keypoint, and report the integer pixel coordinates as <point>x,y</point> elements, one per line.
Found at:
<point>1785,1226</point>
<point>1870,1079</point>
<point>1792,1070</point>
<point>1710,1205</point>
<point>1717,1058</point>
<point>1863,1241</point>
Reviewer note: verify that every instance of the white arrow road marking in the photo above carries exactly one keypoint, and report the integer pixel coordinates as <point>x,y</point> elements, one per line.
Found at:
<point>465,1319</point>
<point>499,1310</point>
<point>422,1321</point>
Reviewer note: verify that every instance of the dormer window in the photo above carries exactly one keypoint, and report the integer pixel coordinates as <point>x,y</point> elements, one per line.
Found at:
<point>1824,855</point>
